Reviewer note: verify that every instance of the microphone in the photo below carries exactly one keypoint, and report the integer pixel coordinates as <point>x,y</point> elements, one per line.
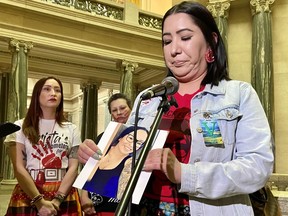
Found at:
<point>168,86</point>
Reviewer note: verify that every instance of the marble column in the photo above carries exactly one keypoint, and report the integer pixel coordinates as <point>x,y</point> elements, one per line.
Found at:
<point>4,83</point>
<point>262,60</point>
<point>17,94</point>
<point>83,112</point>
<point>220,12</point>
<point>89,111</point>
<point>127,86</point>
<point>4,79</point>
<point>18,82</point>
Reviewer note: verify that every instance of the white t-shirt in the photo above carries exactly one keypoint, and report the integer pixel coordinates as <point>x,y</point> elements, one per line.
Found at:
<point>54,145</point>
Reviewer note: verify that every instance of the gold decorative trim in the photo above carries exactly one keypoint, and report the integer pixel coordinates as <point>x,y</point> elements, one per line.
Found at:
<point>99,8</point>
<point>150,21</point>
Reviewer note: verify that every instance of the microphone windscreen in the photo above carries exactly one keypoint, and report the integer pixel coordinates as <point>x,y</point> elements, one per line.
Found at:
<point>172,85</point>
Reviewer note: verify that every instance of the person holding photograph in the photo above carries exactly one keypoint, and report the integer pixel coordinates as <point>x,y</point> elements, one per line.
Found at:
<point>219,149</point>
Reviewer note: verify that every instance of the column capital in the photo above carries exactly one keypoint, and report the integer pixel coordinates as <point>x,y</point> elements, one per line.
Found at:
<point>258,6</point>
<point>129,66</point>
<point>90,84</point>
<point>14,45</point>
<point>219,8</point>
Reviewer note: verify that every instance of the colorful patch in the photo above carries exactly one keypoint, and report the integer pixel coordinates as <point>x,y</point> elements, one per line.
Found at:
<point>211,132</point>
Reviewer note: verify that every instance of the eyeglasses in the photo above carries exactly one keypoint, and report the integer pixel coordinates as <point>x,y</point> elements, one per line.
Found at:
<point>130,139</point>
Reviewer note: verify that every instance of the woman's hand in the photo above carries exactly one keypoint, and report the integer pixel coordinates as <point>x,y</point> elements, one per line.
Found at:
<point>45,208</point>
<point>86,204</point>
<point>56,203</point>
<point>88,149</point>
<point>164,160</point>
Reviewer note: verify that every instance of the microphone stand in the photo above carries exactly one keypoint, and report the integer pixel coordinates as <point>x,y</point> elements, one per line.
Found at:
<point>124,202</point>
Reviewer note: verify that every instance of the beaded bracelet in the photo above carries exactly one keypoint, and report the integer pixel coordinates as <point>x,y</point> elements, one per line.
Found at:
<point>36,199</point>
<point>59,197</point>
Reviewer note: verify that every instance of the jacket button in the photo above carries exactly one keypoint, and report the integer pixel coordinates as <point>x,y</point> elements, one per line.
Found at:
<point>229,114</point>
<point>199,130</point>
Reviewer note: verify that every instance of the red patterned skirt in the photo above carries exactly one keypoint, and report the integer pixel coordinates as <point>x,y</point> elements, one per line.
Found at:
<point>20,202</point>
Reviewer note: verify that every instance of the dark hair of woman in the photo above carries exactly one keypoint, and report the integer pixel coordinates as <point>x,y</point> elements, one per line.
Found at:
<point>31,121</point>
<point>119,96</point>
<point>200,15</point>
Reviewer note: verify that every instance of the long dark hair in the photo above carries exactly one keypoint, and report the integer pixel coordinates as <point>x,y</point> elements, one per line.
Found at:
<point>31,121</point>
<point>200,15</point>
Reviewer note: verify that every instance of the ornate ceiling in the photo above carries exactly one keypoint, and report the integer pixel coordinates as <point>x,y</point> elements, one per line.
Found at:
<point>77,46</point>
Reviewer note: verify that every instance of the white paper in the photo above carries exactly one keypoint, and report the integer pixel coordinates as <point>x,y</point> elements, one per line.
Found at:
<point>91,165</point>
<point>160,139</point>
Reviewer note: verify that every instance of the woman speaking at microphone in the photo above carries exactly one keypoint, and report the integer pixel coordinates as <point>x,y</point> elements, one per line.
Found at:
<point>219,145</point>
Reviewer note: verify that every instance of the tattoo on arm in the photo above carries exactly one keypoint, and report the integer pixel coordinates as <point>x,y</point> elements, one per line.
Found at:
<point>73,152</point>
<point>24,155</point>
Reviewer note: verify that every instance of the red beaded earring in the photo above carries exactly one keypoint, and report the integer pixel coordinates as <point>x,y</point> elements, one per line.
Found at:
<point>209,56</point>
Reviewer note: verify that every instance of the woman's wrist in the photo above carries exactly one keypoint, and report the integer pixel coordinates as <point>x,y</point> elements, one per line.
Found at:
<point>60,197</point>
<point>36,199</point>
<point>40,203</point>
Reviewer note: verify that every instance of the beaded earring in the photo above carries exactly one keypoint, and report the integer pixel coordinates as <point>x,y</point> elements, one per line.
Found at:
<point>209,56</point>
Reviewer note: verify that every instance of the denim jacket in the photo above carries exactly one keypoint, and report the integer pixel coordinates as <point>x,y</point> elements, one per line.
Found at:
<point>238,161</point>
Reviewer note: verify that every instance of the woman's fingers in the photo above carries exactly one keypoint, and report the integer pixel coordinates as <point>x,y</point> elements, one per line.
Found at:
<point>88,209</point>
<point>164,160</point>
<point>88,149</point>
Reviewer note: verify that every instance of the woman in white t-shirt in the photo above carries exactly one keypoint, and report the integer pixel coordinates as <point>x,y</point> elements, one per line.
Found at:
<point>45,156</point>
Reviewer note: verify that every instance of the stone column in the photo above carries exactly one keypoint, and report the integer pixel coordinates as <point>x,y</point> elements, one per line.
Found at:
<point>4,83</point>
<point>262,60</point>
<point>220,12</point>
<point>17,101</point>
<point>127,86</point>
<point>90,110</point>
<point>4,79</point>
<point>17,94</point>
<point>83,113</point>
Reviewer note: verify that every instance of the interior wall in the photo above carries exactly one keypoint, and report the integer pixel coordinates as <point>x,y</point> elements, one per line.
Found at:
<point>239,51</point>
<point>280,61</point>
<point>239,43</point>
<point>158,7</point>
